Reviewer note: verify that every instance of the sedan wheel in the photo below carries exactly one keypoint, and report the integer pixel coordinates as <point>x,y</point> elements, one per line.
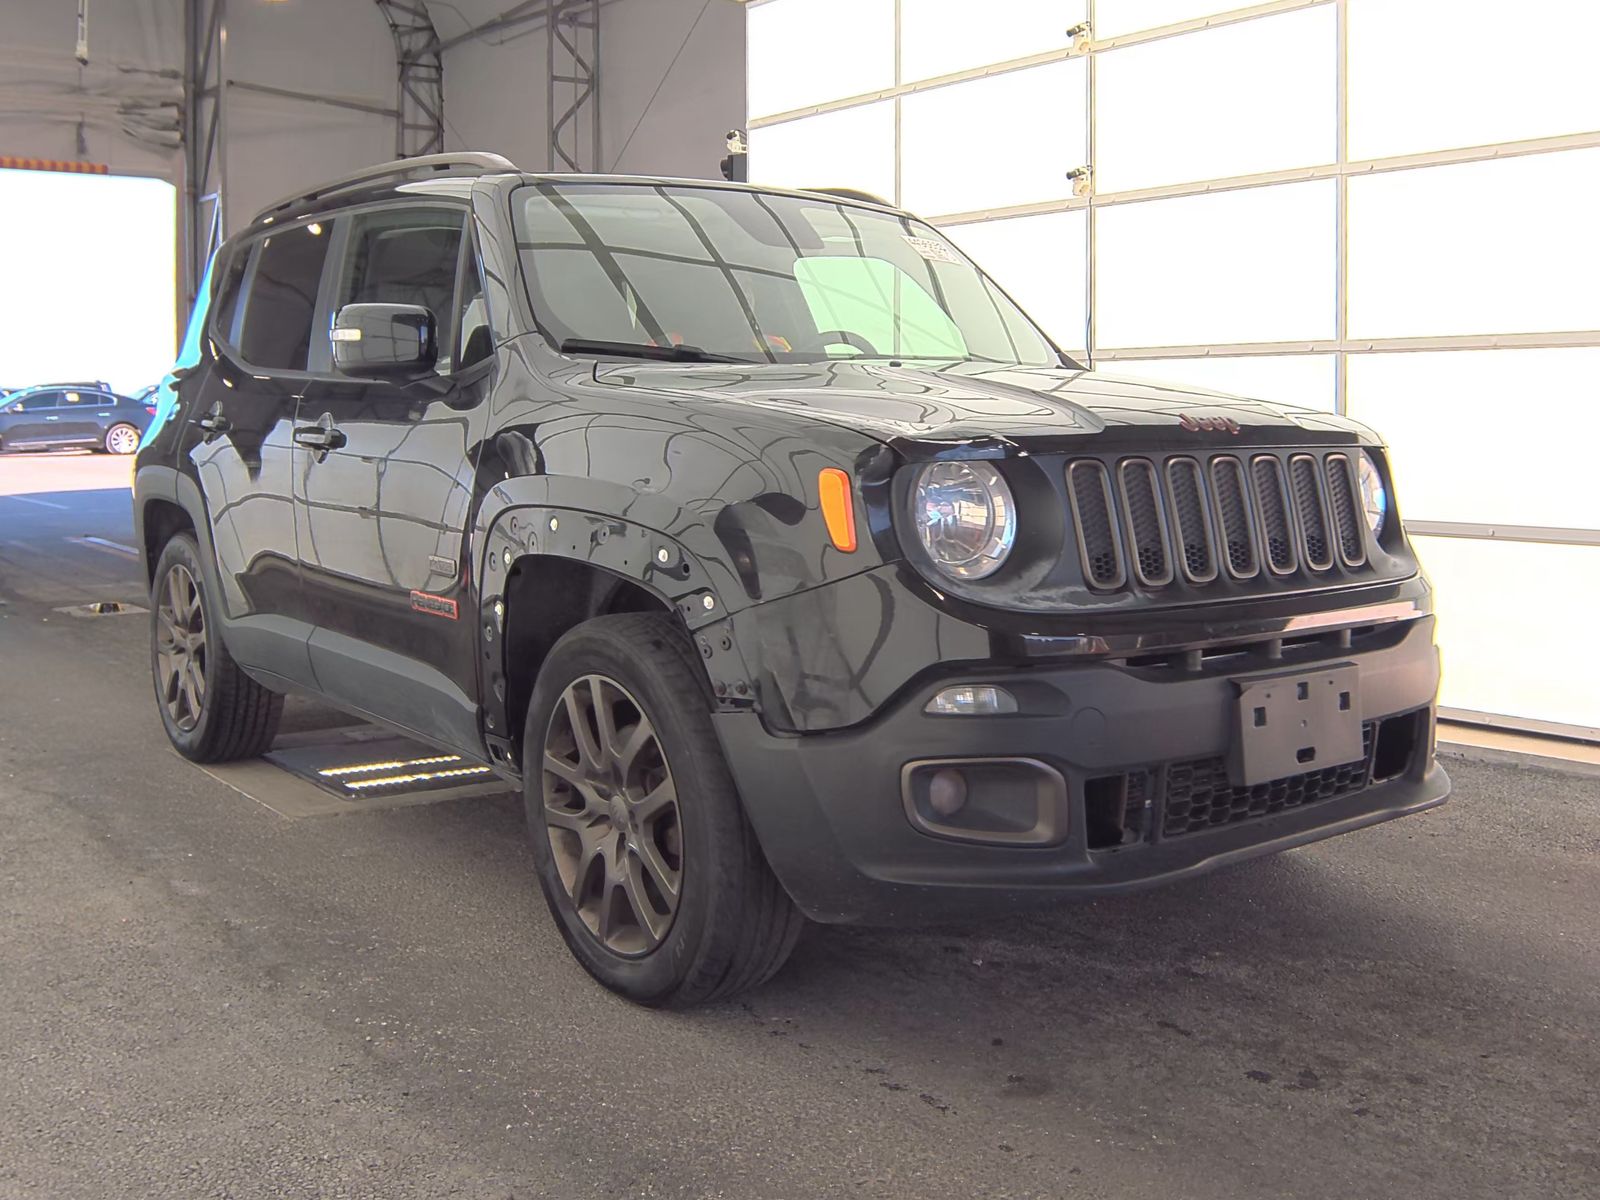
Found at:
<point>611,814</point>
<point>181,648</point>
<point>122,439</point>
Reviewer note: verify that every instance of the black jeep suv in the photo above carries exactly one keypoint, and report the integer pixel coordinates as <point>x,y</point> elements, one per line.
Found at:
<point>775,553</point>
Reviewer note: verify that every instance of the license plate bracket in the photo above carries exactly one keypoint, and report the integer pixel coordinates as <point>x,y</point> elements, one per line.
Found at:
<point>1293,722</point>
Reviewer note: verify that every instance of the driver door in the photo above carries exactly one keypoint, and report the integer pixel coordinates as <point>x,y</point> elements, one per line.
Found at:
<point>383,513</point>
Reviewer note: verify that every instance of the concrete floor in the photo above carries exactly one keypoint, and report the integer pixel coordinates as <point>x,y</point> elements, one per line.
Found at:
<point>199,997</point>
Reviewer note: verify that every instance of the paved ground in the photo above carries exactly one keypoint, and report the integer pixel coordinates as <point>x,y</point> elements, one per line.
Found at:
<point>201,998</point>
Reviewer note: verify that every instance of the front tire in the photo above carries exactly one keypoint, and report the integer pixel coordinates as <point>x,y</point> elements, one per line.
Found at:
<point>212,711</point>
<point>122,438</point>
<point>650,869</point>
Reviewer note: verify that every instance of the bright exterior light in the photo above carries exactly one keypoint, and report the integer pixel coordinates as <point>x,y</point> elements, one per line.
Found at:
<point>972,700</point>
<point>965,518</point>
<point>1374,497</point>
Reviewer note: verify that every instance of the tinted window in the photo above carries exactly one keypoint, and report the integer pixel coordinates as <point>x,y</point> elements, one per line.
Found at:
<point>36,402</point>
<point>225,309</point>
<point>407,256</point>
<point>282,299</point>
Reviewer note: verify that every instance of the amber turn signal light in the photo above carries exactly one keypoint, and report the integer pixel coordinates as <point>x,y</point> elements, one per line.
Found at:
<point>838,508</point>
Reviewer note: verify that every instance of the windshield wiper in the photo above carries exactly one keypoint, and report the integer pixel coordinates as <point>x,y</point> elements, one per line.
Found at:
<point>645,350</point>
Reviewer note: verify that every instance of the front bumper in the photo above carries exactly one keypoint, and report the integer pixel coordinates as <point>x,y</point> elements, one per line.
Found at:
<point>830,813</point>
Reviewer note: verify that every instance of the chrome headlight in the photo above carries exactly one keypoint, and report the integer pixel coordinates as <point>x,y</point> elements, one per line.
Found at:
<point>1374,496</point>
<point>965,518</point>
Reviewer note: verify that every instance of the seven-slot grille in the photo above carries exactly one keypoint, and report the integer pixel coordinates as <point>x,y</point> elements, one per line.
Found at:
<point>1152,521</point>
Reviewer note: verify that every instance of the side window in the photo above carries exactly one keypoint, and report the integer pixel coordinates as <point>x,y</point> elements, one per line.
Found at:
<point>36,402</point>
<point>474,338</point>
<point>282,299</point>
<point>404,256</point>
<point>225,311</point>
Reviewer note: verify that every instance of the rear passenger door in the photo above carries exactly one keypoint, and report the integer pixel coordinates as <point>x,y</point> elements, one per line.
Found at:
<point>241,438</point>
<point>78,417</point>
<point>383,516</point>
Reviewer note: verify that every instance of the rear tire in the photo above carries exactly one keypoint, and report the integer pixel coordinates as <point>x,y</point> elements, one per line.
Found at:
<point>212,711</point>
<point>122,438</point>
<point>715,920</point>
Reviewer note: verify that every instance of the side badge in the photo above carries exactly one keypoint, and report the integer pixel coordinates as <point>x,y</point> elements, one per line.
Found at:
<point>436,606</point>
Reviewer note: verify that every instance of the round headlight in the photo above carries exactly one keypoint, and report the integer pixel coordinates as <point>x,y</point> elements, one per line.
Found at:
<point>965,518</point>
<point>1374,496</point>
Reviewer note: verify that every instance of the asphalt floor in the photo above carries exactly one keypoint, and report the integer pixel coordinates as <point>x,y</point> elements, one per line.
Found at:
<point>202,997</point>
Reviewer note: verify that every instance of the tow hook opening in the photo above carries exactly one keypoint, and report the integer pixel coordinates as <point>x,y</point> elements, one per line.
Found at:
<point>1396,746</point>
<point>1114,809</point>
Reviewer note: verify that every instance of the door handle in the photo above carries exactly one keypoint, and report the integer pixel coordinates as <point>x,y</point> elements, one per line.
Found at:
<point>319,437</point>
<point>51,417</point>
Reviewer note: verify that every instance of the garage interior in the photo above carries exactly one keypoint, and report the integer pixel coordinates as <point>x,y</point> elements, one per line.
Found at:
<point>274,978</point>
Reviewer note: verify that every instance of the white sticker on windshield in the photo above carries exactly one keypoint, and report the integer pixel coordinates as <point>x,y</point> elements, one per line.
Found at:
<point>931,250</point>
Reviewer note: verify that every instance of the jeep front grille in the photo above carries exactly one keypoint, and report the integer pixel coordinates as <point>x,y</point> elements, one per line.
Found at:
<point>1151,522</point>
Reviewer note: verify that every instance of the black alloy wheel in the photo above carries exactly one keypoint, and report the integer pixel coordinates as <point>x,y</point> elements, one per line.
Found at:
<point>212,711</point>
<point>649,866</point>
<point>181,648</point>
<point>611,814</point>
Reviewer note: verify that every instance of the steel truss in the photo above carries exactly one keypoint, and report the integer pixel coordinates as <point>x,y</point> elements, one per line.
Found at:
<point>419,119</point>
<point>572,79</point>
<point>418,115</point>
<point>205,139</point>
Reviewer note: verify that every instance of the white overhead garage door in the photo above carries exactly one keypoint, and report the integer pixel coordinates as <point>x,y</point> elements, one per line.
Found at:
<point>1382,207</point>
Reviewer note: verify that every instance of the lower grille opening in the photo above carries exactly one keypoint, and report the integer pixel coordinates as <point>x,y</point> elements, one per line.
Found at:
<point>1200,796</point>
<point>1397,746</point>
<point>1114,808</point>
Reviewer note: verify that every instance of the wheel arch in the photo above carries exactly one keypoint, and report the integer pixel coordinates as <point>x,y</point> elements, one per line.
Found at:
<point>166,503</point>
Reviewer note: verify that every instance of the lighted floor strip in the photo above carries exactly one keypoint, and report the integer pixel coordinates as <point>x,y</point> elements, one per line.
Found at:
<point>367,768</point>
<point>422,777</point>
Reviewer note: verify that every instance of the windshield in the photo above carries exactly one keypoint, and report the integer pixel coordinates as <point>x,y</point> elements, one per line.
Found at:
<point>756,277</point>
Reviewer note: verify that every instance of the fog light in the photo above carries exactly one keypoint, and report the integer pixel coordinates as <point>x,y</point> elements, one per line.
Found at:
<point>947,791</point>
<point>1000,801</point>
<point>982,700</point>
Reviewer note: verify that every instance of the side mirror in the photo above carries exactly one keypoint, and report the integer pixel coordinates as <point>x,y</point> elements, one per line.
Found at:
<point>384,338</point>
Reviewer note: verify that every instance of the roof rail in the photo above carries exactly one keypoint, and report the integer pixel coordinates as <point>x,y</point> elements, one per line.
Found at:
<point>850,194</point>
<point>424,164</point>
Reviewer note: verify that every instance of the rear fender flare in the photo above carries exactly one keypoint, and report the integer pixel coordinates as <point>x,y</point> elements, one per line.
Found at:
<point>166,483</point>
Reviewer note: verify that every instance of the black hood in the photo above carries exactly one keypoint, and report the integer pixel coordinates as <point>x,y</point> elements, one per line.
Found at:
<point>926,413</point>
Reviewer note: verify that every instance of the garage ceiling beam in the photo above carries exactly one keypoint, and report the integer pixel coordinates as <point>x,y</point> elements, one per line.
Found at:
<point>313,98</point>
<point>520,14</point>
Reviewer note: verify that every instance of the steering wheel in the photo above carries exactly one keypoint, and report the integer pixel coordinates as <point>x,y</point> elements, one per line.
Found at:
<point>837,337</point>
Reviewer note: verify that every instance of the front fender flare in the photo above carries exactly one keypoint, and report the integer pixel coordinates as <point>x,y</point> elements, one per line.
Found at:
<point>653,560</point>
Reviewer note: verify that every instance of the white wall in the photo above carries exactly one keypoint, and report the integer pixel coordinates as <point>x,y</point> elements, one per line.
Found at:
<point>671,85</point>
<point>44,93</point>
<point>328,47</point>
<point>701,97</point>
